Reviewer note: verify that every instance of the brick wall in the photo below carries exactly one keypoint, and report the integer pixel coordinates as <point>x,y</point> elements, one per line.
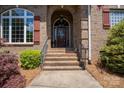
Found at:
<point>98,34</point>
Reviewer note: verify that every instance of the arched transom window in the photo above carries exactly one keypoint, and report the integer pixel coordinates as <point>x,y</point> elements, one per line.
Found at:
<point>17,26</point>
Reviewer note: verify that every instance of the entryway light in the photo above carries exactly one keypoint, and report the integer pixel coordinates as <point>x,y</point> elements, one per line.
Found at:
<point>17,6</point>
<point>62,6</point>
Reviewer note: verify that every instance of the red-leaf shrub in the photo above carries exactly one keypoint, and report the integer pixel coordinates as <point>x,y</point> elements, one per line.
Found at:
<point>15,81</point>
<point>10,76</point>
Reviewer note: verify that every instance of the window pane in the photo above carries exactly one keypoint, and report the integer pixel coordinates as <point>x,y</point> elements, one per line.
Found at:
<point>17,30</point>
<point>29,30</point>
<point>17,12</point>
<point>6,13</point>
<point>116,16</point>
<point>29,13</point>
<point>17,25</point>
<point>5,27</point>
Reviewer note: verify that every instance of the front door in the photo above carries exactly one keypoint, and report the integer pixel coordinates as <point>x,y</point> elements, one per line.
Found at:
<point>60,33</point>
<point>61,37</point>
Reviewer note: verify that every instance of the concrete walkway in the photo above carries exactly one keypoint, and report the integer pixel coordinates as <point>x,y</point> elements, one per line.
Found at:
<point>64,79</point>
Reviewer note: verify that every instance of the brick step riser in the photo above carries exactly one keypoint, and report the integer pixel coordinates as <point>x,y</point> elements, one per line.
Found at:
<point>61,64</point>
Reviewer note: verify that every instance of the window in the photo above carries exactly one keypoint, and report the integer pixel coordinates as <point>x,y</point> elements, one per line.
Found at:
<point>17,30</point>
<point>17,26</point>
<point>116,16</point>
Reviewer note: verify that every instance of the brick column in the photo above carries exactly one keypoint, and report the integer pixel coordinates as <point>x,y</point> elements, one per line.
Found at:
<point>84,37</point>
<point>84,32</point>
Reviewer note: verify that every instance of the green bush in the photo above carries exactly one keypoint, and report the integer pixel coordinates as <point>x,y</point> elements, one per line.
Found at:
<point>30,59</point>
<point>112,54</point>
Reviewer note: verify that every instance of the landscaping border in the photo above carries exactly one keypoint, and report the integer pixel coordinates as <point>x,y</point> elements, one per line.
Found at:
<point>106,79</point>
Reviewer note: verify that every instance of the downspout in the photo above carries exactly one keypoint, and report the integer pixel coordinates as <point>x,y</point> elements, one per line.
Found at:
<point>89,34</point>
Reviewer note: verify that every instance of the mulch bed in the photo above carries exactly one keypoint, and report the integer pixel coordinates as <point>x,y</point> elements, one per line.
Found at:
<point>106,78</point>
<point>30,74</point>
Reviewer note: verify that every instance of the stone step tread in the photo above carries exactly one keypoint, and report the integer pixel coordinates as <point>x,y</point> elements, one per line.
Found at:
<point>50,69</point>
<point>61,61</point>
<point>61,56</point>
<point>56,50</point>
<point>61,53</point>
<point>64,57</point>
<point>60,49</point>
<point>61,64</point>
<point>61,67</point>
<point>67,69</point>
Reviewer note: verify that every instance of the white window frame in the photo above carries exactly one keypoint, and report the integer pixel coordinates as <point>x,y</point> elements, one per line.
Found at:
<point>10,26</point>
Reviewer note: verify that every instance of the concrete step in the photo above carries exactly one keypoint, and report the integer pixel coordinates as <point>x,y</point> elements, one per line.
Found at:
<point>61,59</point>
<point>55,51</point>
<point>60,51</point>
<point>61,54</point>
<point>62,68</point>
<point>61,63</point>
<point>67,58</point>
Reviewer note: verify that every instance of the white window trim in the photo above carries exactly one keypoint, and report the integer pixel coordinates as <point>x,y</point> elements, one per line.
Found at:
<point>10,27</point>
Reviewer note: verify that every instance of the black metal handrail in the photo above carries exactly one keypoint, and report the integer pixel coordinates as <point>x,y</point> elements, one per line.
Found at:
<point>44,50</point>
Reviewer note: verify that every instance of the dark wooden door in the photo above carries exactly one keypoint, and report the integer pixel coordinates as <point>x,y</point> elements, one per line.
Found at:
<point>61,37</point>
<point>60,33</point>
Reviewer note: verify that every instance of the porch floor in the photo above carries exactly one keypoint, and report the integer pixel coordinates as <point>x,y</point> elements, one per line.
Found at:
<point>64,79</point>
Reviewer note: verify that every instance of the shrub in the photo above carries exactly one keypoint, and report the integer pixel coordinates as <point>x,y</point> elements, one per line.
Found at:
<point>10,76</point>
<point>30,59</point>
<point>112,55</point>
